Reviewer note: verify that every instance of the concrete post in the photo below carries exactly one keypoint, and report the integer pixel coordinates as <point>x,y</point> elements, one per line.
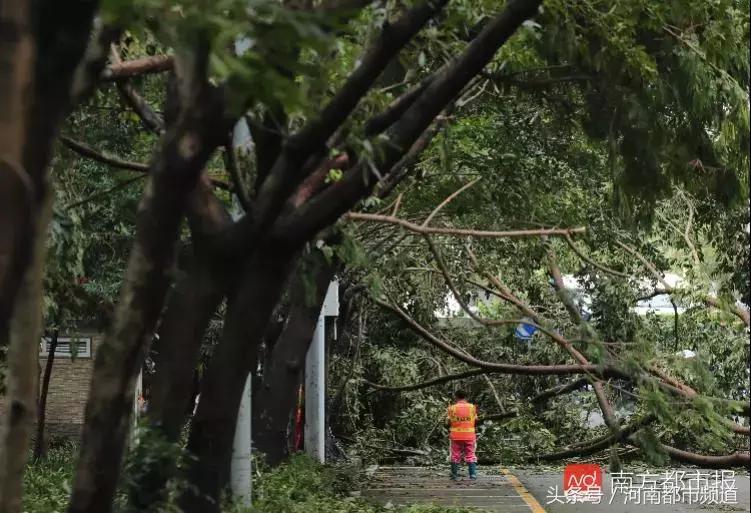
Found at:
<point>241,466</point>
<point>315,379</point>
<point>241,469</point>
<point>315,394</point>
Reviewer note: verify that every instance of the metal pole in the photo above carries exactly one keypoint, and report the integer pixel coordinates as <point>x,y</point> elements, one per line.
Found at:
<point>136,403</point>
<point>241,469</point>
<point>315,394</point>
<point>241,472</point>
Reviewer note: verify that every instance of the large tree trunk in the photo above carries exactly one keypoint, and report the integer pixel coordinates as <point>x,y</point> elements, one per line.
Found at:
<point>190,306</point>
<point>17,233</point>
<point>175,170</point>
<point>213,426</point>
<point>16,61</point>
<point>274,400</point>
<point>39,53</point>
<point>23,361</point>
<point>40,444</point>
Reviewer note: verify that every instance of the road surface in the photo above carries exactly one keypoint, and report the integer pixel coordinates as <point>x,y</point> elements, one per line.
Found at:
<point>516,490</point>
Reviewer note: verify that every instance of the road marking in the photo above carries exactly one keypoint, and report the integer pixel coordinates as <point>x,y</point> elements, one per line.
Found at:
<point>523,492</point>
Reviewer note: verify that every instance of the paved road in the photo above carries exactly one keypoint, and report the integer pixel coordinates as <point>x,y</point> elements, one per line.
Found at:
<point>540,483</point>
<point>514,490</point>
<point>410,485</point>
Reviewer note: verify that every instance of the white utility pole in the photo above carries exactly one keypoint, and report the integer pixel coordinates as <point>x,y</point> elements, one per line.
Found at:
<point>315,394</point>
<point>241,469</point>
<point>136,403</point>
<point>315,379</point>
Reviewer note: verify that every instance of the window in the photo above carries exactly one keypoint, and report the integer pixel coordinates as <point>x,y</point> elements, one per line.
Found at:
<point>67,347</point>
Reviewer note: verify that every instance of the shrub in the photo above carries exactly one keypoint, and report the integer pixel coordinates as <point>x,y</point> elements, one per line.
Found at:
<point>305,486</point>
<point>47,482</point>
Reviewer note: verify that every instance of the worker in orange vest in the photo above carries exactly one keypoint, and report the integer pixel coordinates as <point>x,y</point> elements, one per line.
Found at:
<point>461,417</point>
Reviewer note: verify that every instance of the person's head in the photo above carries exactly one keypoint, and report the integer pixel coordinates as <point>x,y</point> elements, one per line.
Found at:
<point>460,395</point>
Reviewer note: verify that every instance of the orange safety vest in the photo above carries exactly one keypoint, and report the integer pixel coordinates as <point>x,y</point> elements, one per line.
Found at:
<point>462,416</point>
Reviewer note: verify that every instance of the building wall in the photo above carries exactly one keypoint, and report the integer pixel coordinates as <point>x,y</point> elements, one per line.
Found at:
<point>68,391</point>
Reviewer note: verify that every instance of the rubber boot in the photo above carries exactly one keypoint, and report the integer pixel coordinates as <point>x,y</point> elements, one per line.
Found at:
<point>472,471</point>
<point>454,471</point>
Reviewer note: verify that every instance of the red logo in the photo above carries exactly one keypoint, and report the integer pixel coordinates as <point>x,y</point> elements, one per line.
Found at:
<point>581,477</point>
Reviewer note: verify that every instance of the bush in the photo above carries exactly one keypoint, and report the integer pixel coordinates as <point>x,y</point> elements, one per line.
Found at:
<point>47,482</point>
<point>305,486</point>
<point>299,486</point>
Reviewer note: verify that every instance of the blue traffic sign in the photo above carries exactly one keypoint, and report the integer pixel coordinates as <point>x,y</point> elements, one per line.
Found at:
<point>525,331</point>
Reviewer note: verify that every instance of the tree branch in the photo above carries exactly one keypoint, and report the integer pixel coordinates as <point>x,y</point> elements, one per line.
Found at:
<point>104,193</point>
<point>328,206</point>
<point>89,70</point>
<point>704,461</point>
<point>89,152</point>
<point>446,201</point>
<point>539,83</point>
<point>110,160</point>
<point>150,118</point>
<point>591,262</point>
<point>520,370</point>
<point>399,170</point>
<point>286,175</point>
<point>137,67</point>
<point>498,367</point>
<point>608,412</point>
<point>459,232</point>
<point>738,311</point>
<point>591,447</point>
<point>560,390</point>
<point>380,122</point>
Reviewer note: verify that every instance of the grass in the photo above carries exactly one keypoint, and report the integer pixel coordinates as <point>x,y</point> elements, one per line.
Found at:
<point>47,482</point>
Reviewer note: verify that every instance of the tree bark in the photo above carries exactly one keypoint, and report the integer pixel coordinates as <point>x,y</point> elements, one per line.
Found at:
<point>737,459</point>
<point>213,426</point>
<point>189,309</point>
<point>274,401</point>
<point>40,444</point>
<point>176,168</point>
<point>137,67</point>
<point>39,52</point>
<point>190,306</point>
<point>23,375</point>
<point>62,34</point>
<point>16,188</point>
